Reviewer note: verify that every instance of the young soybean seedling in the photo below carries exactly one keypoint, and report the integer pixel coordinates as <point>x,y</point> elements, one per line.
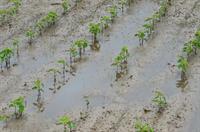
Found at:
<point>38,86</point>
<point>65,6</point>
<point>105,20</point>
<point>19,106</point>
<point>113,12</point>
<point>6,54</point>
<point>188,48</point>
<point>66,122</point>
<point>4,118</point>
<point>143,127</point>
<point>183,66</point>
<point>54,71</point>
<point>160,100</point>
<point>141,36</point>
<point>64,64</point>
<point>95,29</point>
<point>30,34</point>
<point>72,54</point>
<point>81,44</point>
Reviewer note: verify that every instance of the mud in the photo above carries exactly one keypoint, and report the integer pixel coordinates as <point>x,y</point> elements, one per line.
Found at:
<point>114,106</point>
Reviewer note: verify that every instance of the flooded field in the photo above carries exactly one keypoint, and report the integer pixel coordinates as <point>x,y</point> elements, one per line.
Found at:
<point>92,92</point>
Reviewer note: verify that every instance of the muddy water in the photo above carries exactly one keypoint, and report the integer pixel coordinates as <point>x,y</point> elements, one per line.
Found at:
<point>94,77</point>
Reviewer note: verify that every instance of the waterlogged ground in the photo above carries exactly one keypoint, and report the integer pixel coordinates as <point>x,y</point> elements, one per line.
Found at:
<point>114,106</point>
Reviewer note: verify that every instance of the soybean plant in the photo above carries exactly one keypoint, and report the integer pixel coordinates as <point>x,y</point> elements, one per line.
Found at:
<point>142,127</point>
<point>38,86</point>
<point>160,100</point>
<point>65,6</point>
<point>183,66</point>
<point>66,122</point>
<point>19,106</point>
<point>95,29</point>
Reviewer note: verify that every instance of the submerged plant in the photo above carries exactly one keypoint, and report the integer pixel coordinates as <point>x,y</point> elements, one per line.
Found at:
<point>63,63</point>
<point>73,54</point>
<point>122,3</point>
<point>54,71</point>
<point>183,66</point>
<point>66,122</point>
<point>160,100</point>
<point>141,36</point>
<point>82,44</point>
<point>65,6</point>
<point>19,106</point>
<point>38,86</point>
<point>142,127</point>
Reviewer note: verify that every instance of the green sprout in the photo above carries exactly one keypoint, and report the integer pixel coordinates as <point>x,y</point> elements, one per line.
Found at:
<point>81,44</point>
<point>113,12</point>
<point>38,86</point>
<point>19,106</point>
<point>141,35</point>
<point>105,20</point>
<point>65,6</point>
<point>5,56</point>
<point>160,100</point>
<point>121,61</point>
<point>183,66</point>
<point>66,122</point>
<point>95,29</point>
<point>30,34</point>
<point>143,127</point>
<point>72,53</point>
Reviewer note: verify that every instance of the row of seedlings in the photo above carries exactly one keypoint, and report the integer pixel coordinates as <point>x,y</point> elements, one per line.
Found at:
<point>8,13</point>
<point>149,26</point>
<point>190,48</point>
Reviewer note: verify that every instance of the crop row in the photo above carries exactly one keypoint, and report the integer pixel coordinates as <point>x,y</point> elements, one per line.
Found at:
<point>6,14</point>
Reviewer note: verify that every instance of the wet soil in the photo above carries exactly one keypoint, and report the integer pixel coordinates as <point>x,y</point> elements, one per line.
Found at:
<point>113,105</point>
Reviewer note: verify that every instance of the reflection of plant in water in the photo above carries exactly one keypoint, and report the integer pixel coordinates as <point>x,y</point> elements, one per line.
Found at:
<point>82,44</point>
<point>142,127</point>
<point>38,86</point>
<point>19,106</point>
<point>160,100</point>
<point>182,66</point>
<point>66,122</point>
<point>65,6</point>
<point>54,71</point>
<point>141,36</point>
